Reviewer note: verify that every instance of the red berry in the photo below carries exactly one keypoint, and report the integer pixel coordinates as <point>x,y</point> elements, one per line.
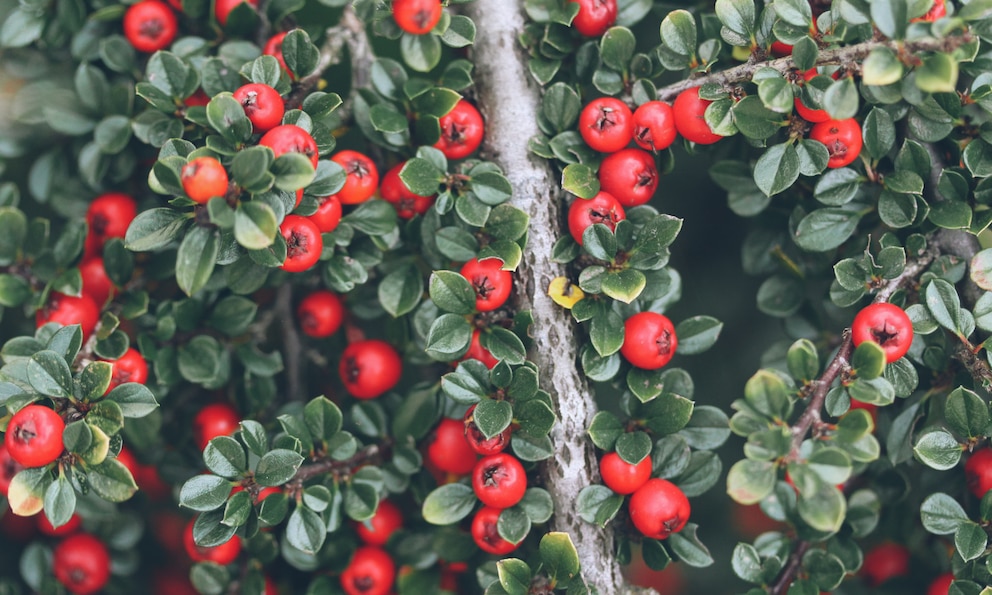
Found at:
<point>198,99</point>
<point>449,450</point>
<point>884,562</point>
<point>603,208</point>
<point>649,340</point>
<point>290,138</point>
<point>871,408</point>
<point>328,213</point>
<point>485,532</point>
<point>371,572</point>
<point>362,177</point>
<point>942,584</point>
<point>622,477</point>
<point>109,216</point>
<point>842,139</point>
<point>66,310</point>
<point>273,47</point>
<point>654,126</point>
<point>688,110</point>
<point>303,243</point>
<point>416,16</point>
<point>370,368</point>
<point>204,178</point>
<point>215,419</point>
<point>150,25</point>
<point>937,11</point>
<point>978,472</point>
<point>630,175</point>
<point>262,104</point>
<point>659,508</point>
<point>320,313</point>
<point>222,554</point>
<point>377,530</point>
<point>81,562</point>
<point>394,191</point>
<point>491,283</point>
<point>499,480</point>
<point>594,17</point>
<point>462,130</point>
<point>478,441</point>
<point>130,367</point>
<point>8,469</point>
<point>886,324</point>
<point>478,352</point>
<point>223,8</point>
<point>34,436</point>
<point>807,113</point>
<point>780,49</point>
<point>96,284</point>
<point>72,526</point>
<point>606,124</point>
<point>299,198</point>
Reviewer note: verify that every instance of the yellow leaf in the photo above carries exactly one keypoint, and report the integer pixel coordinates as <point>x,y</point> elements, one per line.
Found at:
<point>23,501</point>
<point>564,293</point>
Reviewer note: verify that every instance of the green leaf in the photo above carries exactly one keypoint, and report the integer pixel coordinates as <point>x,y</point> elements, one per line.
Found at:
<point>226,457</point>
<point>624,285</point>
<point>448,337</point>
<point>227,117</point>
<point>452,292</point>
<point>421,176</point>
<point>697,334</point>
<point>737,15</point>
<point>767,393</point>
<point>604,430</point>
<point>969,540</point>
<point>49,374</point>
<point>689,549</point>
<point>278,466</point>
<point>196,258</point>
<point>305,531</point>
<point>750,482</point>
<point>581,180</point>
<point>112,481</point>
<point>777,169</point>
<point>448,504</point>
<point>203,493</point>
<point>938,74</point>
<point>868,360</point>
<point>966,413</point>
<point>938,450</point>
<point>504,345</point>
<point>633,447</point>
<point>491,188</point>
<point>598,504</point>
<point>944,304</point>
<point>803,360</point>
<point>154,229</point>
<point>825,229</point>
<point>255,225</point>
<point>678,32</point>
<point>514,576</point>
<point>616,48</point>
<point>60,501</point>
<point>299,53</point>
<point>400,291</point>
<point>890,16</point>
<point>492,416</point>
<point>558,554</point>
<point>135,400</point>
<point>941,514</point>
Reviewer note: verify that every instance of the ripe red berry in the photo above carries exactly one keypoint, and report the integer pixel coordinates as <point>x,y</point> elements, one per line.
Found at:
<point>34,436</point>
<point>45,526</point>
<point>491,283</point>
<point>8,468</point>
<point>689,109</point>
<point>485,532</point>
<point>81,563</point>
<point>213,420</point>
<point>377,530</point>
<point>937,11</point>
<point>942,584</point>
<point>66,310</point>
<point>630,175</point>
<point>304,244</point>
<point>649,340</point>
<point>290,138</point>
<point>204,178</point>
<point>394,191</point>
<point>603,208</point>
<point>320,313</point>
<point>273,47</point>
<point>130,367</point>
<point>499,480</point>
<point>978,472</point>
<point>462,130</point>
<point>883,562</point>
<point>223,8</point>
<point>654,126</point>
<point>807,113</point>
<point>328,213</point>
<point>478,441</point>
<point>842,139</point>
<point>886,324</point>
<point>109,216</point>
<point>96,284</point>
<point>659,508</point>
<point>199,98</point>
<point>262,104</point>
<point>417,16</point>
<point>449,450</point>
<point>871,408</point>
<point>150,25</point>
<point>478,352</point>
<point>622,477</point>
<point>370,572</point>
<point>370,368</point>
<point>222,554</point>
<point>606,124</point>
<point>362,177</point>
<point>595,16</point>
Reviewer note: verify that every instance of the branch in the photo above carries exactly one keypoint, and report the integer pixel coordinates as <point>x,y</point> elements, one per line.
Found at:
<point>292,347</point>
<point>322,467</point>
<point>510,101</point>
<point>851,53</point>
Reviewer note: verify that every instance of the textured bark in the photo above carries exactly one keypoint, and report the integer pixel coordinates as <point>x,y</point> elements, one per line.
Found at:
<point>509,99</point>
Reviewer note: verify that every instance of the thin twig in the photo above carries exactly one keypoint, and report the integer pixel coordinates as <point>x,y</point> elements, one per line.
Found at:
<point>292,346</point>
<point>851,53</point>
<point>322,467</point>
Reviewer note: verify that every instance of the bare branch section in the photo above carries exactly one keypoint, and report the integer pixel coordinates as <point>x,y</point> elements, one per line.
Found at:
<point>509,100</point>
<point>851,53</point>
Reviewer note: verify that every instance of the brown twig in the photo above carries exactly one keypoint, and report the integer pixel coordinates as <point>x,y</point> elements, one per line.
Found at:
<point>851,53</point>
<point>292,346</point>
<point>324,466</point>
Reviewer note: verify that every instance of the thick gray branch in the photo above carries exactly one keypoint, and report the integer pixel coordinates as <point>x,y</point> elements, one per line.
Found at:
<point>509,99</point>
